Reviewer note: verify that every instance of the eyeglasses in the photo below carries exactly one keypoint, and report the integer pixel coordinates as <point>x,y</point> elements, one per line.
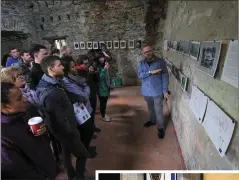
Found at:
<point>146,52</point>
<point>19,75</point>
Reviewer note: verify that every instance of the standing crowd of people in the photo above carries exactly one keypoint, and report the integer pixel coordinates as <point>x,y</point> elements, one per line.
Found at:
<point>38,83</point>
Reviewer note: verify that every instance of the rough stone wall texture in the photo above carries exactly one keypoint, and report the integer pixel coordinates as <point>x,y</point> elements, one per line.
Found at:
<point>16,17</point>
<point>206,20</point>
<point>104,20</point>
<point>131,176</point>
<point>85,20</point>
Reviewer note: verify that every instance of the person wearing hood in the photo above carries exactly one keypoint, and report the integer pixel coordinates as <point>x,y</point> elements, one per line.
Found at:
<point>23,155</point>
<point>58,102</point>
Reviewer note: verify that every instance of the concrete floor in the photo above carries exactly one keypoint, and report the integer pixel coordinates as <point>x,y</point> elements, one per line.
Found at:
<point>124,144</point>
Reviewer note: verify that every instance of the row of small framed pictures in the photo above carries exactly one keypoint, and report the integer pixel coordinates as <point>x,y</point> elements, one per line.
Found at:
<point>108,44</point>
<point>181,78</point>
<point>207,52</point>
<point>189,48</point>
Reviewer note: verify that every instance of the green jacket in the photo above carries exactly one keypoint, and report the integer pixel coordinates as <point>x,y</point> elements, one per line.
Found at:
<point>104,82</point>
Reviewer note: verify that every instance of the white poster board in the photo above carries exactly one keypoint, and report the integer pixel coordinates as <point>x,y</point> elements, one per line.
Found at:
<point>230,69</point>
<point>81,113</point>
<point>167,176</point>
<point>219,127</point>
<point>198,103</point>
<point>165,45</point>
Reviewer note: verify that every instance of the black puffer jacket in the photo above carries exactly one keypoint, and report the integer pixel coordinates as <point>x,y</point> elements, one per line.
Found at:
<point>35,75</point>
<point>63,125</point>
<point>24,156</point>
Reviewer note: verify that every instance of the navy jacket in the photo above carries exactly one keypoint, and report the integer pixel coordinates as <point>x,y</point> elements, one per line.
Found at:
<point>24,156</point>
<point>62,121</point>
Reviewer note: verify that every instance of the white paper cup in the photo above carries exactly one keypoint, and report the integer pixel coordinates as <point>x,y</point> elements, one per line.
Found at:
<point>35,124</point>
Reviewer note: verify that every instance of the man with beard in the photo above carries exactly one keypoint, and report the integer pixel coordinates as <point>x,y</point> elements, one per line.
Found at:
<point>26,64</point>
<point>153,73</point>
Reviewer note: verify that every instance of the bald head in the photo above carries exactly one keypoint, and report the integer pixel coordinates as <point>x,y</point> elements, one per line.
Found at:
<point>147,52</point>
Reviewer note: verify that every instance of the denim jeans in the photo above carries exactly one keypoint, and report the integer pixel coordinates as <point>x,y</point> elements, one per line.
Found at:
<point>155,108</point>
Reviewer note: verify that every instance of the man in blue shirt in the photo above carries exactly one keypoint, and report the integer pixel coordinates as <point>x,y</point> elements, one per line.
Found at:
<point>15,58</point>
<point>153,73</point>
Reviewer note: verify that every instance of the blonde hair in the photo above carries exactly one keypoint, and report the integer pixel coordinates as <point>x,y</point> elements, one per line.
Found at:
<point>9,74</point>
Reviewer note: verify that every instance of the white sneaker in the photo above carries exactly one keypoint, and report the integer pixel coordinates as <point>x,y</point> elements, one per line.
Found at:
<point>106,118</point>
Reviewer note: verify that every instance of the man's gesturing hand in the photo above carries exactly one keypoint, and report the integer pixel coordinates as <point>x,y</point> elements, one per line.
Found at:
<point>157,71</point>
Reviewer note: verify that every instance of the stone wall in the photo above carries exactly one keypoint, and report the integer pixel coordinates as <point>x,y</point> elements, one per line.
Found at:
<point>103,21</point>
<point>206,20</point>
<point>89,20</point>
<point>17,23</point>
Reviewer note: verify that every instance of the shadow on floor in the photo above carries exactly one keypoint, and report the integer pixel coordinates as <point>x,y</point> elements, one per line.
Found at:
<point>125,144</point>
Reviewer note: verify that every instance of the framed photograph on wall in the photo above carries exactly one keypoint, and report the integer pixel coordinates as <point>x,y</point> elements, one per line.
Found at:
<point>131,44</point>
<point>165,45</point>
<point>89,45</point>
<point>153,176</point>
<point>174,46</point>
<point>82,45</point>
<point>175,72</point>
<point>178,46</point>
<point>109,44</point>
<point>138,44</point>
<point>209,57</point>
<point>183,81</point>
<point>156,176</point>
<point>76,45</point>
<point>168,64</point>
<point>194,49</point>
<point>122,44</point>
<point>101,43</point>
<point>184,47</point>
<point>95,45</point>
<point>170,44</point>
<point>116,44</point>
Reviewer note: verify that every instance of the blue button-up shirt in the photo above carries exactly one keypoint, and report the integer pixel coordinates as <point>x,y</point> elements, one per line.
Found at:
<point>156,84</point>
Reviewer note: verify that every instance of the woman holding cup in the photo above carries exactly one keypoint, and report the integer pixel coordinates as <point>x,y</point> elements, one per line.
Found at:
<point>13,75</point>
<point>24,156</point>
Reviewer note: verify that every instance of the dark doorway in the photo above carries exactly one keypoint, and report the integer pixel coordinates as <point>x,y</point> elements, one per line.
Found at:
<point>10,39</point>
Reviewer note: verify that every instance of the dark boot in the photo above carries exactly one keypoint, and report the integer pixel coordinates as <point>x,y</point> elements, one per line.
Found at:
<point>97,129</point>
<point>94,136</point>
<point>92,152</point>
<point>149,123</point>
<point>161,133</point>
